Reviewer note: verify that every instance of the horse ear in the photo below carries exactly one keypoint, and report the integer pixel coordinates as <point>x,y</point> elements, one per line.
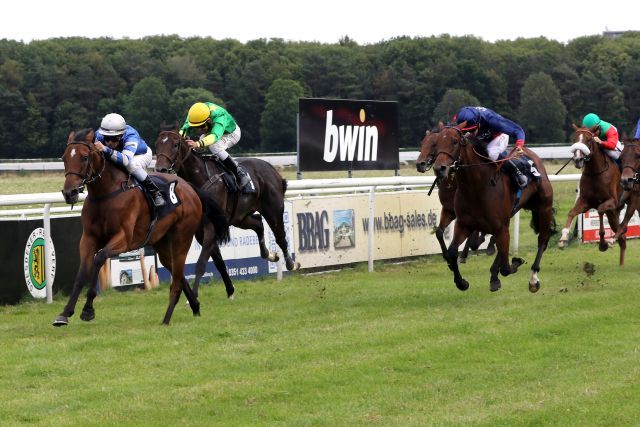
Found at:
<point>462,125</point>
<point>72,135</point>
<point>427,133</point>
<point>90,136</point>
<point>574,126</point>
<point>594,128</point>
<point>440,125</point>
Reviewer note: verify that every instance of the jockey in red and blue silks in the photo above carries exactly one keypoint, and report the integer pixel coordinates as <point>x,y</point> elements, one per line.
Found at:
<point>606,135</point>
<point>493,129</point>
<point>637,135</point>
<point>126,148</point>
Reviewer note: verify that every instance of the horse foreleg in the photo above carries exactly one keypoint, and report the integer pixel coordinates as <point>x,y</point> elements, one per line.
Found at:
<point>491,246</point>
<point>459,235</point>
<point>446,216</point>
<point>87,250</point>
<point>580,207</point>
<point>545,218</point>
<point>88,312</point>
<point>222,269</point>
<point>622,239</point>
<point>191,297</point>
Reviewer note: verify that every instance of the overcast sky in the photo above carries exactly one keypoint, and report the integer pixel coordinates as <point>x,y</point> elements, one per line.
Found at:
<point>322,20</point>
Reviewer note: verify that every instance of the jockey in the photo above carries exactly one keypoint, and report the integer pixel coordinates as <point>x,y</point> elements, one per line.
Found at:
<point>129,151</point>
<point>611,144</point>
<point>637,135</point>
<point>493,129</point>
<point>218,131</point>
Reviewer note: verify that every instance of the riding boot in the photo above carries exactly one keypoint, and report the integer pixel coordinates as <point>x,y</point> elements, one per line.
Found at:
<point>242,178</point>
<point>152,189</point>
<point>520,179</point>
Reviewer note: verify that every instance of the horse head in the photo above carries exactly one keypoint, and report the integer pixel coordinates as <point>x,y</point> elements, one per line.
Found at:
<point>447,147</point>
<point>83,164</point>
<point>171,151</point>
<point>425,159</point>
<point>584,145</point>
<point>630,161</point>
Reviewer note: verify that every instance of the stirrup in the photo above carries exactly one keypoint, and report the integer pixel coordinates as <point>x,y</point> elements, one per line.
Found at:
<point>158,200</point>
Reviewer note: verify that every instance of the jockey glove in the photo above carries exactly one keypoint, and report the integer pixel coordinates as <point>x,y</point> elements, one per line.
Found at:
<point>520,143</point>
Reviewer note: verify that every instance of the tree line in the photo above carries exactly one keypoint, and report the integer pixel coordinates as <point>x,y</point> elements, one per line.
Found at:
<point>50,87</point>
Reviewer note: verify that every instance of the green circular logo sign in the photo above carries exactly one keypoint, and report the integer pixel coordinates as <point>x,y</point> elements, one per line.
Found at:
<point>34,264</point>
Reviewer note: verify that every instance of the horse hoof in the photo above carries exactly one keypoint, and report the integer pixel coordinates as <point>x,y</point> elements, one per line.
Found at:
<point>491,250</point>
<point>196,313</point>
<point>495,286</point>
<point>61,321</point>
<point>562,244</point>
<point>516,263</point>
<point>462,285</point>
<point>273,257</point>
<point>535,287</point>
<point>462,260</point>
<point>88,315</point>
<point>603,247</point>
<point>295,266</point>
<point>230,297</point>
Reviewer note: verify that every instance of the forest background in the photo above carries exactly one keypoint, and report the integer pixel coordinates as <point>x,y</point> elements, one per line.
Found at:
<point>50,87</point>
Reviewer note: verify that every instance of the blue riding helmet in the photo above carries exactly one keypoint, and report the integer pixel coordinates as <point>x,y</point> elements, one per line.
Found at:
<point>469,115</point>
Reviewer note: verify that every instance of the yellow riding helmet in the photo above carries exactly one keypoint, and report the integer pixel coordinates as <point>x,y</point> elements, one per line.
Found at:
<point>198,114</point>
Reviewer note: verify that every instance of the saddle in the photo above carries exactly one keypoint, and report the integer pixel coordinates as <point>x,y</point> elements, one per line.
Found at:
<point>228,177</point>
<point>168,190</point>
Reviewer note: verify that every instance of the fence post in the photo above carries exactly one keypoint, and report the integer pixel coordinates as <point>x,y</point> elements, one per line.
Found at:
<point>370,242</point>
<point>48,259</point>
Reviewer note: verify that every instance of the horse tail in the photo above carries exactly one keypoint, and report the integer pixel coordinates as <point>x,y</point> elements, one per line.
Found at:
<point>215,214</point>
<point>284,185</point>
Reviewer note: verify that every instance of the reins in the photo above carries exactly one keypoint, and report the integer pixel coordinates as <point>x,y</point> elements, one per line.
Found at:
<point>90,176</point>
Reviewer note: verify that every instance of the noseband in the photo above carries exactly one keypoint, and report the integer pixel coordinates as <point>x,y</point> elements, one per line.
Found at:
<point>636,173</point>
<point>91,174</point>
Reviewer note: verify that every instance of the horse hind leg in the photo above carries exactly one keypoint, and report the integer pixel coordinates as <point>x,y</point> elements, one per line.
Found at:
<point>222,269</point>
<point>612,216</point>
<point>254,222</point>
<point>459,235</point>
<point>277,227</point>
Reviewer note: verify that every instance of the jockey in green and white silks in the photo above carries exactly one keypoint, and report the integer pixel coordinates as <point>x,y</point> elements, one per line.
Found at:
<point>218,131</point>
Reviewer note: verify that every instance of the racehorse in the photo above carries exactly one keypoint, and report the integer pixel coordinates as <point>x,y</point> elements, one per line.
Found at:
<point>116,218</point>
<point>600,187</point>
<point>630,162</point>
<point>446,191</point>
<point>485,200</point>
<point>174,155</point>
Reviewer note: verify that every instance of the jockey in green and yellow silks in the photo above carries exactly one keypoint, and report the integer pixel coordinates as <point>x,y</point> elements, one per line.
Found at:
<point>217,130</point>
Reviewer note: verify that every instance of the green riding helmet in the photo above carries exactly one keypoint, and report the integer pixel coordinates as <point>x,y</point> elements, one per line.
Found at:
<point>590,120</point>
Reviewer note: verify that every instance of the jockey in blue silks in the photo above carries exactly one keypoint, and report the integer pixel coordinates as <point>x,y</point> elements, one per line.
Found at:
<point>494,130</point>
<point>131,151</point>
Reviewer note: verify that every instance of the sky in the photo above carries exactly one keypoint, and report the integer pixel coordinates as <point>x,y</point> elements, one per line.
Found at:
<point>325,21</point>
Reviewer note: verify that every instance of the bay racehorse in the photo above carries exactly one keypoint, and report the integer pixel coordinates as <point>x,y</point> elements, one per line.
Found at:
<point>600,187</point>
<point>174,155</point>
<point>630,177</point>
<point>446,191</point>
<point>485,200</point>
<point>116,218</point>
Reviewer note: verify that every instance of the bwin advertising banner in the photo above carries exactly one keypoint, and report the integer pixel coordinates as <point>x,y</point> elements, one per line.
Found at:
<point>341,134</point>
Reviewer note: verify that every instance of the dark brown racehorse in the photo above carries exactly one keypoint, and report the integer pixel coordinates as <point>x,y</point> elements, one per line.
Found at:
<point>446,192</point>
<point>485,200</point>
<point>600,187</point>
<point>630,162</point>
<point>173,154</point>
<point>116,219</point>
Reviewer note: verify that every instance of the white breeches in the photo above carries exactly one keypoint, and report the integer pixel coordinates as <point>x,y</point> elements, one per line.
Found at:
<point>497,145</point>
<point>225,142</point>
<point>139,163</point>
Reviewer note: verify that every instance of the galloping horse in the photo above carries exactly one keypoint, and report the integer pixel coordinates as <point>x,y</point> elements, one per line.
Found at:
<point>173,154</point>
<point>600,187</point>
<point>446,191</point>
<point>485,200</point>
<point>630,162</point>
<point>116,218</point>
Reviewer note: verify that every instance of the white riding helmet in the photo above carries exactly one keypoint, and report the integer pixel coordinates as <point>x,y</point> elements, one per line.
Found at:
<point>113,124</point>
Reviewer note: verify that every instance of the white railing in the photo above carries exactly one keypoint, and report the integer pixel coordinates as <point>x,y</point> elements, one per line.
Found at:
<point>295,188</point>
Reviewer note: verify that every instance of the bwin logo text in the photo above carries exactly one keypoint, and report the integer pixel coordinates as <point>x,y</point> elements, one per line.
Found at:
<point>347,138</point>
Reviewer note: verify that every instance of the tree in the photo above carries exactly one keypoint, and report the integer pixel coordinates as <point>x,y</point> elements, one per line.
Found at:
<point>12,110</point>
<point>68,116</point>
<point>542,113</point>
<point>147,107</point>
<point>451,102</point>
<point>278,121</point>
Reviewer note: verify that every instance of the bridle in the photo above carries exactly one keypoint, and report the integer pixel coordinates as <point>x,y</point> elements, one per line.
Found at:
<point>636,173</point>
<point>178,160</point>
<point>588,158</point>
<point>91,174</point>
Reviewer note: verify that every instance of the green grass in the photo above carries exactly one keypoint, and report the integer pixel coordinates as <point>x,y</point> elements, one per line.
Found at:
<point>400,346</point>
